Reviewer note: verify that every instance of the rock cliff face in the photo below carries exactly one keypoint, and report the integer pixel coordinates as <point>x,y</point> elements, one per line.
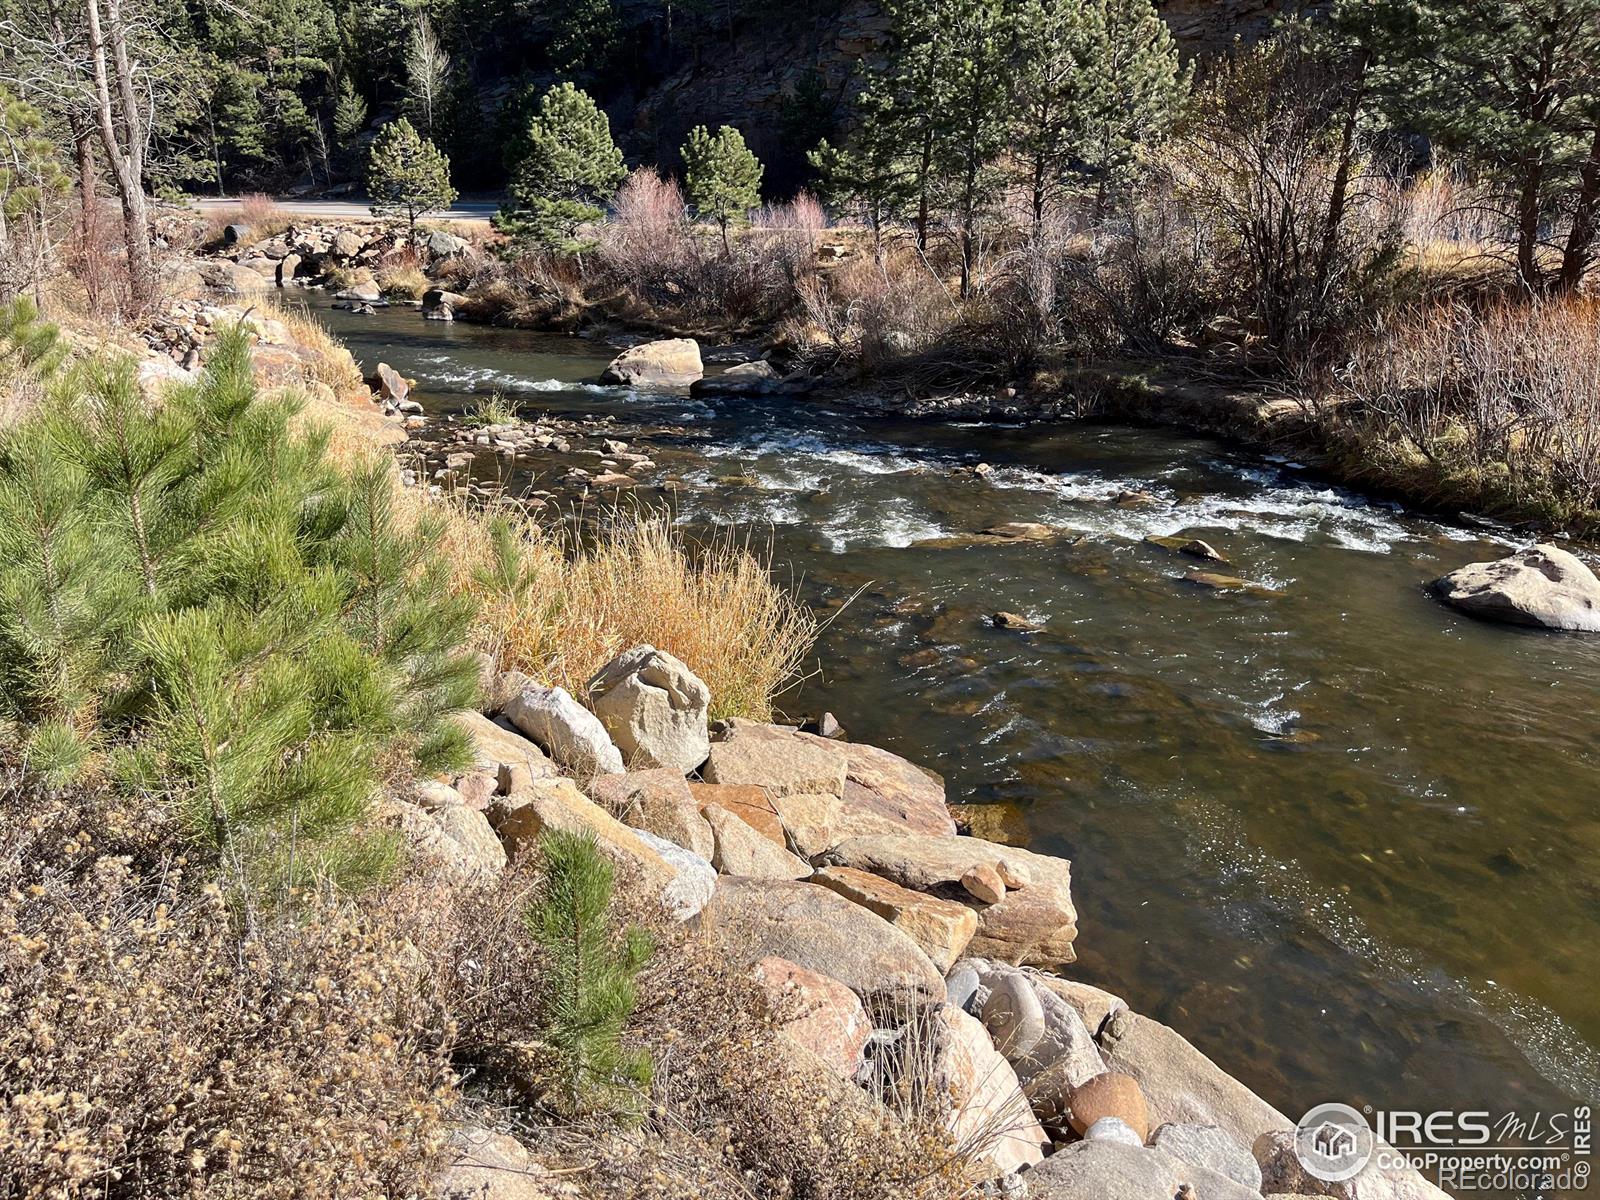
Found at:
<point>780,79</point>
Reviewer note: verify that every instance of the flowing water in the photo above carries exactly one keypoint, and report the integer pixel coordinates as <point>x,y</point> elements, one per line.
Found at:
<point>1344,839</point>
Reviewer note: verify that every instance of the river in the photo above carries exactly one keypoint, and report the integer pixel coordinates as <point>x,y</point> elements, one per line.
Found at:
<point>1344,839</point>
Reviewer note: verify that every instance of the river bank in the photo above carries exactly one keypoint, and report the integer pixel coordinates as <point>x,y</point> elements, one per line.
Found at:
<point>834,870</point>
<point>1211,388</point>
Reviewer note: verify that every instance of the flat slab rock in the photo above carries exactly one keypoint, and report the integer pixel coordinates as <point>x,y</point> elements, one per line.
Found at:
<point>880,791</point>
<point>1034,924</point>
<point>1182,1085</point>
<point>1543,586</point>
<point>823,932</point>
<point>1110,1170</point>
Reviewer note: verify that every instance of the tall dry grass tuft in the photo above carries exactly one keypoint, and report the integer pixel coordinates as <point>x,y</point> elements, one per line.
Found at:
<point>330,362</point>
<point>259,213</point>
<point>574,607</point>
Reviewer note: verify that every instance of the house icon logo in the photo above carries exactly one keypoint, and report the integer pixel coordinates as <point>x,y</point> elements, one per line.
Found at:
<point>1333,1142</point>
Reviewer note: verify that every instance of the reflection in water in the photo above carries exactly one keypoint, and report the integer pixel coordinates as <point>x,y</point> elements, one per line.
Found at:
<point>1342,838</point>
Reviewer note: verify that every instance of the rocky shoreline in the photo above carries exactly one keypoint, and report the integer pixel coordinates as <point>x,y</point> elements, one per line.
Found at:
<point>834,872</point>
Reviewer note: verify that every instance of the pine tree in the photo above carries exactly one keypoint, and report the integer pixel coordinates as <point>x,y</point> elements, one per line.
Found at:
<point>975,127</point>
<point>249,633</point>
<point>569,167</point>
<point>1511,87</point>
<point>584,37</point>
<point>1052,85</point>
<point>917,97</point>
<point>349,116</point>
<point>870,168</point>
<point>589,990</point>
<point>721,176</point>
<point>1134,89</point>
<point>30,174</point>
<point>406,174</point>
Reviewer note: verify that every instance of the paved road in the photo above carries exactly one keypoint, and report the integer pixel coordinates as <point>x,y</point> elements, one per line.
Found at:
<point>354,210</point>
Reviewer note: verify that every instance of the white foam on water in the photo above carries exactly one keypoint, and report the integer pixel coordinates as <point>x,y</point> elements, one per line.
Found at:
<point>473,379</point>
<point>866,458</point>
<point>1291,513</point>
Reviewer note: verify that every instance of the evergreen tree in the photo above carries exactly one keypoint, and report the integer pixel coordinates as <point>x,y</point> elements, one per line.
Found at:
<point>1052,85</point>
<point>406,174</point>
<point>589,990</point>
<point>975,127</point>
<point>250,633</point>
<point>916,97</point>
<point>1135,91</point>
<point>870,169</point>
<point>30,175</point>
<point>584,37</point>
<point>1512,87</point>
<point>569,168</point>
<point>721,176</point>
<point>349,116</point>
<point>1095,80</point>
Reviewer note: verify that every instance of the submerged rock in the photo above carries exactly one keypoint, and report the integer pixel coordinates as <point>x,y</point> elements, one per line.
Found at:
<point>1543,586</point>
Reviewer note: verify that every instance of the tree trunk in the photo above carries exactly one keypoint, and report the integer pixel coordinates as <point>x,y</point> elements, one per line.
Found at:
<point>1528,224</point>
<point>1338,198</point>
<point>127,161</point>
<point>1580,238</point>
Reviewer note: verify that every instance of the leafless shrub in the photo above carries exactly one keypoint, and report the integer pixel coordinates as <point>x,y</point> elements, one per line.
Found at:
<point>1503,399</point>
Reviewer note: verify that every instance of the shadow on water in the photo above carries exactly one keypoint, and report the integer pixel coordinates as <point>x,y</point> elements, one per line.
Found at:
<point>1342,838</point>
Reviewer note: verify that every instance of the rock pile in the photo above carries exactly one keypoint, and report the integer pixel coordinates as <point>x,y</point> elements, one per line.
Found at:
<point>888,945</point>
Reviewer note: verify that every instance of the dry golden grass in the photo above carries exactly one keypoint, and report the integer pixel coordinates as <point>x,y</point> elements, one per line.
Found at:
<point>573,608</point>
<point>260,214</point>
<point>402,281</point>
<point>331,363</point>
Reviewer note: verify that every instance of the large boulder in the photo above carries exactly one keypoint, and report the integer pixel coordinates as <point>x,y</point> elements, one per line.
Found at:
<point>1181,1084</point>
<point>817,1012</point>
<point>392,386</point>
<point>942,928</point>
<point>884,793</point>
<point>1543,586</point>
<point>471,831</point>
<point>654,708</point>
<point>1035,923</point>
<point>659,801</point>
<point>674,362</point>
<point>745,379</point>
<point>823,932</point>
<point>1210,1147</point>
<point>687,892</point>
<point>1063,1054</point>
<point>1105,1169</point>
<point>568,731</point>
<point>810,821</point>
<point>1385,1177</point>
<point>989,1116</point>
<point>777,758</point>
<point>441,244</point>
<point>741,851</point>
<point>749,803</point>
<point>452,860</point>
<point>522,817</point>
